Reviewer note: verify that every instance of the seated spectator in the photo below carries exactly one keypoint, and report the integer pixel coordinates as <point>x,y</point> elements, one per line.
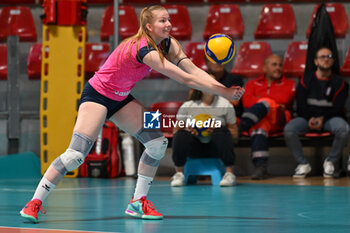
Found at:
<point>222,75</point>
<point>320,98</point>
<point>268,101</point>
<point>227,79</point>
<point>219,143</point>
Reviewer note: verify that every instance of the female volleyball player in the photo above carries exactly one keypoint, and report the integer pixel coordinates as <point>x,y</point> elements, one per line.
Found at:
<point>106,95</point>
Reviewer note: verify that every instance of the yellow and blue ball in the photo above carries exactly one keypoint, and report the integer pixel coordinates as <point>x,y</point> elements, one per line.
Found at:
<point>203,132</point>
<point>219,49</point>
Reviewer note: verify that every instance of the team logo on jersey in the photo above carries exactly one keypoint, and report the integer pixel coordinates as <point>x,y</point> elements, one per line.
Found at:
<point>122,93</point>
<point>151,120</point>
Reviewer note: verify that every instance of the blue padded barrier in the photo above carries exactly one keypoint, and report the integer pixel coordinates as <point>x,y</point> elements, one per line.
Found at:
<point>23,165</point>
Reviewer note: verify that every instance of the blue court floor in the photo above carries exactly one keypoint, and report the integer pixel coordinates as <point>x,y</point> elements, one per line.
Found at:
<point>97,205</point>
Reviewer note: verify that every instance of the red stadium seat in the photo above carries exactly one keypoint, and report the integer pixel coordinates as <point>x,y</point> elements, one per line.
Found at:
<point>100,1</point>
<point>264,1</point>
<point>184,1</point>
<point>304,1</point>
<point>276,21</point>
<point>181,22</point>
<point>169,109</point>
<point>195,51</point>
<point>3,62</point>
<point>128,22</point>
<point>143,2</point>
<point>317,135</point>
<point>271,134</point>
<point>34,62</point>
<point>17,21</point>
<point>295,58</point>
<point>345,69</point>
<point>250,58</point>
<point>19,2</point>
<point>338,17</point>
<point>309,135</point>
<point>226,19</point>
<point>216,1</point>
<point>95,55</point>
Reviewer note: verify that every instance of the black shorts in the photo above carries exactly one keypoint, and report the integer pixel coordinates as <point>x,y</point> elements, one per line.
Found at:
<point>91,95</point>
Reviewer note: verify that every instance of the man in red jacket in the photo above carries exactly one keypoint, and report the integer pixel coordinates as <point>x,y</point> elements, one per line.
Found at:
<point>268,101</point>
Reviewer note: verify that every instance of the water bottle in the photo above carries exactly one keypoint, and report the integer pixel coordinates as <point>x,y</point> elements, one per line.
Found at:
<point>128,155</point>
<point>98,145</point>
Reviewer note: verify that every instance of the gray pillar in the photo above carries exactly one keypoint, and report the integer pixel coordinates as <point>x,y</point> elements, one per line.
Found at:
<point>13,123</point>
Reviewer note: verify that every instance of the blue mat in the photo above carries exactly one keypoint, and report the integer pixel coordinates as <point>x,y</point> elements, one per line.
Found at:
<point>24,165</point>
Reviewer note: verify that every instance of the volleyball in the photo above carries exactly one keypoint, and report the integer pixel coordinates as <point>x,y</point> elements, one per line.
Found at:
<point>202,124</point>
<point>219,49</point>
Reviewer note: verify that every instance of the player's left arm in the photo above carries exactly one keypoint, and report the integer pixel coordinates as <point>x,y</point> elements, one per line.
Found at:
<point>177,56</point>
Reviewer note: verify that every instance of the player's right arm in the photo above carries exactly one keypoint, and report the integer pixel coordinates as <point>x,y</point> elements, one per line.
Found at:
<point>208,84</point>
<point>178,57</point>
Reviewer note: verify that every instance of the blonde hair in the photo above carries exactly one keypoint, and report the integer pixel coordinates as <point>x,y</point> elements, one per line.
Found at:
<point>146,17</point>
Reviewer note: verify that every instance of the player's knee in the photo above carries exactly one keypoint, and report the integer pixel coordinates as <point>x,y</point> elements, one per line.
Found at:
<point>81,143</point>
<point>72,159</point>
<point>146,159</point>
<point>156,148</point>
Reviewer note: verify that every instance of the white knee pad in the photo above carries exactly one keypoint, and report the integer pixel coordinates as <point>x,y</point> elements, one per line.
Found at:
<point>156,147</point>
<point>72,159</point>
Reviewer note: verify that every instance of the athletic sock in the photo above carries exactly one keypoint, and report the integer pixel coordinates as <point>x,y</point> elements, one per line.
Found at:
<point>43,190</point>
<point>142,186</point>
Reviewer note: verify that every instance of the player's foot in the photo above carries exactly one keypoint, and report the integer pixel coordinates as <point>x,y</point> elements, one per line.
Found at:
<point>30,211</point>
<point>142,208</point>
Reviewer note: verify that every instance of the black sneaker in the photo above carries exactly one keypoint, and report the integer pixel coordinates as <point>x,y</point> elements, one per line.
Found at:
<point>259,173</point>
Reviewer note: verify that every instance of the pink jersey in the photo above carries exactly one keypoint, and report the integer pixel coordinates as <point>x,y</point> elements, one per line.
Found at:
<point>115,80</point>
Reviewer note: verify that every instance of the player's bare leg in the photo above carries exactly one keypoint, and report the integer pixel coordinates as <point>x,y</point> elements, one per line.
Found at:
<point>129,119</point>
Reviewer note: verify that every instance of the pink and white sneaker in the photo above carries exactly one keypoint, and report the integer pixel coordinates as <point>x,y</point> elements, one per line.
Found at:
<point>30,211</point>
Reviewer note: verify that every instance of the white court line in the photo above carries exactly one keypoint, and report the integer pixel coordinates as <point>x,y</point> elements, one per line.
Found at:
<point>303,215</point>
<point>47,229</point>
<point>78,189</point>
